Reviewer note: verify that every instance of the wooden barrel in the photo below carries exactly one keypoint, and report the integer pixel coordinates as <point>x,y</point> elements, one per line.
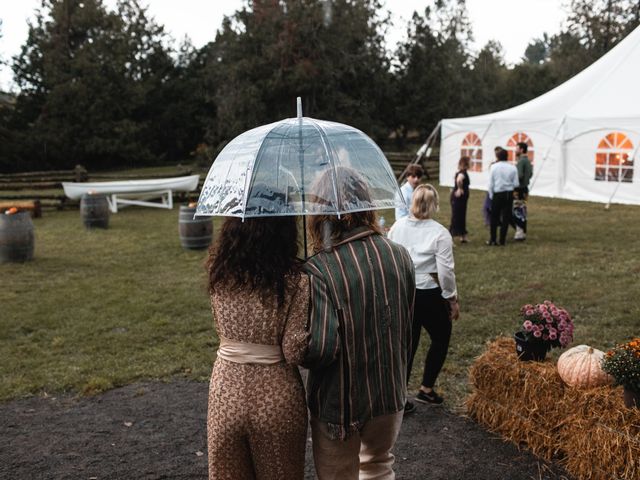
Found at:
<point>195,233</point>
<point>16,237</point>
<point>94,210</point>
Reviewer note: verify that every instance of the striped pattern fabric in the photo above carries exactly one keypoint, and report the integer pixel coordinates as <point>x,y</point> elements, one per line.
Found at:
<point>362,294</point>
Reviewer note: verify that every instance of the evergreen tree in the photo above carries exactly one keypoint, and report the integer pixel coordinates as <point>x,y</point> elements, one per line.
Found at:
<point>8,157</point>
<point>537,52</point>
<point>84,75</point>
<point>105,88</point>
<point>184,105</point>
<point>157,84</point>
<point>434,67</point>
<point>330,52</point>
<point>593,27</point>
<point>487,80</point>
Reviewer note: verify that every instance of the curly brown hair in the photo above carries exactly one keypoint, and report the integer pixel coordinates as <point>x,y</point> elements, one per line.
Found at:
<point>256,254</point>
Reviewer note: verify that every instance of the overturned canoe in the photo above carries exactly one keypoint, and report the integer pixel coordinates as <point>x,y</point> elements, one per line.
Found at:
<point>175,184</point>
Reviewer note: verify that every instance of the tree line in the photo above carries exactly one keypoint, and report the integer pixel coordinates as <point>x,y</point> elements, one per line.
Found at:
<point>109,88</point>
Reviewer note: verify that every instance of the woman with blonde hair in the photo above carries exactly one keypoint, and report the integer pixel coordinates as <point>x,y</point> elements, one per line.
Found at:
<point>459,199</point>
<point>431,248</point>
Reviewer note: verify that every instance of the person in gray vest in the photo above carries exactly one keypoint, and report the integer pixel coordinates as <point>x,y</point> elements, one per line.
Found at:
<point>521,193</point>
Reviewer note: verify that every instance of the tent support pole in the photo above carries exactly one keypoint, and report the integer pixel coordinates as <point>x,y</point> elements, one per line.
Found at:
<point>421,151</point>
<point>615,190</point>
<point>546,155</point>
<point>484,134</point>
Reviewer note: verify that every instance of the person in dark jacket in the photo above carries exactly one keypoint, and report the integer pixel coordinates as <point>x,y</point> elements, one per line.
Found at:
<point>521,193</point>
<point>362,289</point>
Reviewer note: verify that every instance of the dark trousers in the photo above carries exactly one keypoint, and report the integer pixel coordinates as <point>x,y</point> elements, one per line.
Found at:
<point>501,205</point>
<point>431,312</point>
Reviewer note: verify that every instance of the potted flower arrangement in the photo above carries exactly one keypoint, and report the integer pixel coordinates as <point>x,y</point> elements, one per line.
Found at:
<point>623,363</point>
<point>544,326</point>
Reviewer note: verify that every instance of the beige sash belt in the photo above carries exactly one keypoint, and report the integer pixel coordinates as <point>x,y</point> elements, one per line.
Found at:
<point>240,352</point>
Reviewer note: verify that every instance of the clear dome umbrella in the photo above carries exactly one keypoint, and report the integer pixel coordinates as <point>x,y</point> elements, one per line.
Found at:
<point>298,166</point>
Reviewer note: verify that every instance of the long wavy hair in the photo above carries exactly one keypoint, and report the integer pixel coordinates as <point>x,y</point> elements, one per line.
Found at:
<point>256,254</point>
<point>325,230</point>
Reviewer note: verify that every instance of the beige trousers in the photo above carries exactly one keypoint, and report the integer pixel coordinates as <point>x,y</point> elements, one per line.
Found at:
<point>365,455</point>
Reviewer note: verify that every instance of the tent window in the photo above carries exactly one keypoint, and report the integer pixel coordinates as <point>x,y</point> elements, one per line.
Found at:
<point>613,159</point>
<point>513,143</point>
<point>472,148</point>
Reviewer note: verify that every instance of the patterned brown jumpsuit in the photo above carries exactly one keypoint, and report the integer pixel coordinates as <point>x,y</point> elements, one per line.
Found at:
<point>257,418</point>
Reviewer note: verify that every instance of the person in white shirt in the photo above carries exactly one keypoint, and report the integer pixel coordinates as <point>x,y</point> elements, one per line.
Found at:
<point>503,179</point>
<point>414,174</point>
<point>436,302</point>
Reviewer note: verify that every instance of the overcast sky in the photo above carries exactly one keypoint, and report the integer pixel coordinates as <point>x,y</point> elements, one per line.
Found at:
<point>511,22</point>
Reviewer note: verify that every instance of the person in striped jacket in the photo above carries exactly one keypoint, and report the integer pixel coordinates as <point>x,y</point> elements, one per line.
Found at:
<point>362,289</point>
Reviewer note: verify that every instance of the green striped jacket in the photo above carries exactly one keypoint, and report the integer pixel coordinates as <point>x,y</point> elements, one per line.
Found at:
<point>360,318</point>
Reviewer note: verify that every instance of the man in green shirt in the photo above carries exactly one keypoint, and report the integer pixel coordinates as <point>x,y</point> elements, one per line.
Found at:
<point>525,171</point>
<point>362,287</point>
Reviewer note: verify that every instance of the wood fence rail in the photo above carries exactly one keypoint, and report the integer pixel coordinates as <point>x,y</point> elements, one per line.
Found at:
<point>46,187</point>
<point>43,185</point>
<point>400,160</point>
<point>48,173</point>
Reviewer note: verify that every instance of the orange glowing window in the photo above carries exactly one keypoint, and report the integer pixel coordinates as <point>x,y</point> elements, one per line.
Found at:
<point>513,143</point>
<point>613,158</point>
<point>472,148</point>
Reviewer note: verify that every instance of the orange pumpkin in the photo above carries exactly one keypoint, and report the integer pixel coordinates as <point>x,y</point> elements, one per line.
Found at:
<point>580,367</point>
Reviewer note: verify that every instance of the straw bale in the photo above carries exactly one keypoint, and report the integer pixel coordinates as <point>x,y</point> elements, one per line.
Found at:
<point>601,439</point>
<point>512,398</point>
<point>527,403</point>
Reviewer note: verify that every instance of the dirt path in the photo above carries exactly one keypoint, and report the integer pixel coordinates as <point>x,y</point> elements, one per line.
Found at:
<point>158,431</point>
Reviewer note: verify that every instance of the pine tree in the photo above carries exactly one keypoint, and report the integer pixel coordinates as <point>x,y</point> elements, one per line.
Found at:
<point>434,67</point>
<point>330,52</point>
<point>85,74</point>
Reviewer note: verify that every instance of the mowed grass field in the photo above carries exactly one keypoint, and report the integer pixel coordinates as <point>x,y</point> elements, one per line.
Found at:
<point>102,308</point>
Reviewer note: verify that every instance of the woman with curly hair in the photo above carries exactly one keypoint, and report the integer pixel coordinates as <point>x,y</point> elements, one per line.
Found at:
<point>257,416</point>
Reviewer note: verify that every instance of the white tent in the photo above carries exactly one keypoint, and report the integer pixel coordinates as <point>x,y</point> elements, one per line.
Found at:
<point>583,135</point>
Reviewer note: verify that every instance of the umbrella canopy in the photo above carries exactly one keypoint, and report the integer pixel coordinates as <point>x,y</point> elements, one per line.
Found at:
<point>298,166</point>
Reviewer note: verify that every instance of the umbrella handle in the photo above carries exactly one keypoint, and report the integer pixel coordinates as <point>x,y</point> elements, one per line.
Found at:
<point>304,236</point>
<point>299,107</point>
<point>327,243</point>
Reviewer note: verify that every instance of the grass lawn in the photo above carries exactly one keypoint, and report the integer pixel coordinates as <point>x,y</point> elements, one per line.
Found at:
<point>98,309</point>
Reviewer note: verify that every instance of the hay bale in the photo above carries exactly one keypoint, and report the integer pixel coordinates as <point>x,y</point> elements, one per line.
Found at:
<point>591,431</point>
<point>601,439</point>
<point>512,398</point>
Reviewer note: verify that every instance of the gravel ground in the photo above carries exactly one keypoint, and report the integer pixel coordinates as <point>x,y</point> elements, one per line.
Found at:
<point>158,431</point>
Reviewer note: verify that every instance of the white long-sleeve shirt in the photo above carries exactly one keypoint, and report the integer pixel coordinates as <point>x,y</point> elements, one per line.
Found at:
<point>407,193</point>
<point>503,177</point>
<point>431,248</point>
